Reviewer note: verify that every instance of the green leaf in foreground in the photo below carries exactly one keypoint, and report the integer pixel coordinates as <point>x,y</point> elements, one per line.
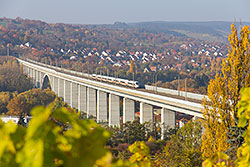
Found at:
<point>46,144</point>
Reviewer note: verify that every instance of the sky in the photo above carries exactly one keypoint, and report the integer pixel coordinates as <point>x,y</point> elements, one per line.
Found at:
<point>110,11</point>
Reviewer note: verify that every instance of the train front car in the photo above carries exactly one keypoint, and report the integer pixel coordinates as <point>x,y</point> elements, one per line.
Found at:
<point>118,81</point>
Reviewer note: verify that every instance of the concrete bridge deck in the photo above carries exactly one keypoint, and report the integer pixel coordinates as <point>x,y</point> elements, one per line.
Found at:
<point>78,91</point>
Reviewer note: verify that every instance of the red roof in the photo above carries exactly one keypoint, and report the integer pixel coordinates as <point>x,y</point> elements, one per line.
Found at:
<point>153,68</point>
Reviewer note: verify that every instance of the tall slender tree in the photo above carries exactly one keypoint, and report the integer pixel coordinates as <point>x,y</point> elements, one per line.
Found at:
<point>220,110</point>
<point>132,67</point>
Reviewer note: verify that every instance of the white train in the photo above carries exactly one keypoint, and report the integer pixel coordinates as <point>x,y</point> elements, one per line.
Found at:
<point>124,82</point>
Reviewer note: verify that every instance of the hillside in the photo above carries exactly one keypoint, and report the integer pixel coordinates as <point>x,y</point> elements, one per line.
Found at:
<point>192,50</point>
<point>212,31</point>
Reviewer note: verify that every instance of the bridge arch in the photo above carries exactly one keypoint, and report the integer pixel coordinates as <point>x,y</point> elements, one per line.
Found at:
<point>46,82</point>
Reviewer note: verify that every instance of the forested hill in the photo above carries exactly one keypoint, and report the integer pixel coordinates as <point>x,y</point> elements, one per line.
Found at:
<point>191,50</point>
<point>213,30</point>
<point>144,36</point>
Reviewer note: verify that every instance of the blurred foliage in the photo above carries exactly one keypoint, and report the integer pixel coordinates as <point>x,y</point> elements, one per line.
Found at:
<point>140,153</point>
<point>45,144</point>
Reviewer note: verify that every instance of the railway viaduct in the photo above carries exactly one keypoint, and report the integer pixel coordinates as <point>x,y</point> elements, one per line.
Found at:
<point>102,100</point>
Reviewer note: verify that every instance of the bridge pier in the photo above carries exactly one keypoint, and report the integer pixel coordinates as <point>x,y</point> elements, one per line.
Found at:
<point>51,83</point>
<point>61,92</point>
<point>36,79</point>
<point>114,110</point>
<point>146,112</point>
<point>39,80</point>
<point>128,110</point>
<point>74,95</point>
<point>28,71</point>
<point>168,119</point>
<point>56,85</point>
<point>82,98</point>
<point>67,92</point>
<point>91,104</point>
<point>25,69</point>
<point>102,113</point>
<point>34,76</point>
<point>31,74</point>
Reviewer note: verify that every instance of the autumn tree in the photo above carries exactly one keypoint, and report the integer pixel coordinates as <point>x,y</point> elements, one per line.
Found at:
<point>221,159</point>
<point>59,103</point>
<point>4,99</point>
<point>183,148</point>
<point>129,133</point>
<point>24,102</point>
<point>220,110</point>
<point>12,79</point>
<point>213,66</point>
<point>132,68</point>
